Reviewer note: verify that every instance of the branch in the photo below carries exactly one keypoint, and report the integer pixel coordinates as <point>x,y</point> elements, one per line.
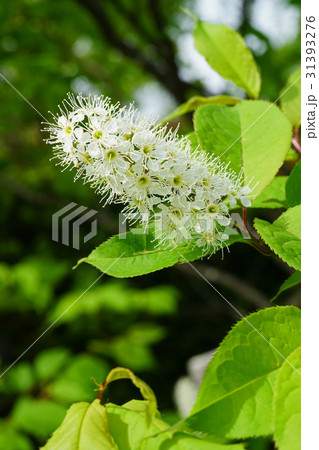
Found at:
<point>160,72</point>
<point>256,243</point>
<point>230,281</point>
<point>168,50</point>
<point>133,16</point>
<point>98,13</point>
<point>24,192</point>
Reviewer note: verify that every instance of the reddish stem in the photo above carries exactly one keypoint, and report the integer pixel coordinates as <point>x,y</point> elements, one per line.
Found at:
<point>260,249</point>
<point>295,141</point>
<point>245,218</point>
<point>102,386</point>
<point>255,243</point>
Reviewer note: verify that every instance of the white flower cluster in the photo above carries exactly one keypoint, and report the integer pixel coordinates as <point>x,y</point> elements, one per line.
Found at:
<point>184,193</point>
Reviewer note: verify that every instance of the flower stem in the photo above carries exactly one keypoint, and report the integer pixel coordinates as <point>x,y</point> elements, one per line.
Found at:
<point>101,390</point>
<point>262,250</point>
<point>245,219</point>
<point>295,141</point>
<point>256,243</point>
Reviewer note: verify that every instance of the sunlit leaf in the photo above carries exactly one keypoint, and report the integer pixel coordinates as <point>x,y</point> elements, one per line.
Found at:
<point>236,395</point>
<point>290,100</point>
<point>240,136</point>
<point>121,373</point>
<point>273,196</point>
<point>283,236</point>
<point>292,281</point>
<point>226,52</point>
<point>195,102</point>
<point>127,426</point>
<point>131,254</point>
<point>287,404</point>
<point>84,427</point>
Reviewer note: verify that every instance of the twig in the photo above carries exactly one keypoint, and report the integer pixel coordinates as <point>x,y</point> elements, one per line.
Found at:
<point>162,70</point>
<point>256,243</point>
<point>295,141</point>
<point>230,281</point>
<point>24,192</point>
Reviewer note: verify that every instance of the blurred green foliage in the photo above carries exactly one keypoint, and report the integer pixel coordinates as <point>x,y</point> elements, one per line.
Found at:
<point>151,324</point>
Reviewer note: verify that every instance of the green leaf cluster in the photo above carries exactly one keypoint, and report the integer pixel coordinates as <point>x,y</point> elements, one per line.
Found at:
<point>241,396</point>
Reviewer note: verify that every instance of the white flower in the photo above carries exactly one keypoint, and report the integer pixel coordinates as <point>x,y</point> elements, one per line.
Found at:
<point>242,193</point>
<point>212,239</point>
<point>239,193</point>
<point>152,171</point>
<point>172,225</point>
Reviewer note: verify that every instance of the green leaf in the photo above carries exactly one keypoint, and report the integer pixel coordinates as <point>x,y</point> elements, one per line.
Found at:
<point>225,51</point>
<point>183,441</point>
<point>130,254</point>
<point>290,100</point>
<point>49,362</point>
<point>127,427</point>
<point>84,427</point>
<point>293,186</point>
<point>20,378</point>
<point>273,196</point>
<point>12,440</point>
<point>292,281</point>
<point>115,296</point>
<point>240,136</point>
<point>292,155</point>
<point>195,102</point>
<point>120,373</point>
<point>283,236</point>
<point>193,139</point>
<point>123,427</point>
<point>132,348</point>
<point>37,417</point>
<point>236,395</point>
<point>76,382</point>
<point>287,407</point>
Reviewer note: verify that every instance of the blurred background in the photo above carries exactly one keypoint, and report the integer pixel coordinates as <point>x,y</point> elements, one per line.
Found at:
<point>140,51</point>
